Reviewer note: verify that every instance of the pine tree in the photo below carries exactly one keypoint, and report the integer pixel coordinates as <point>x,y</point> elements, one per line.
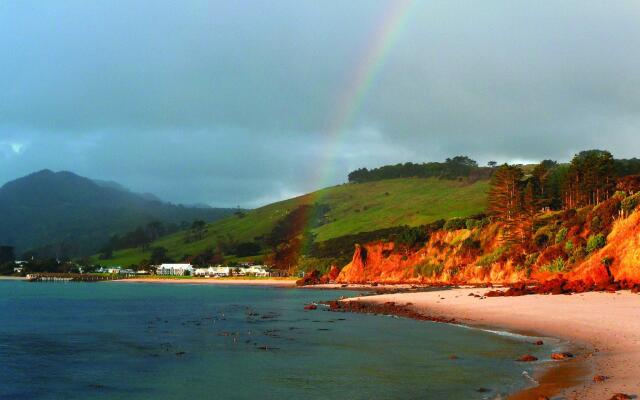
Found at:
<point>530,205</point>
<point>505,200</point>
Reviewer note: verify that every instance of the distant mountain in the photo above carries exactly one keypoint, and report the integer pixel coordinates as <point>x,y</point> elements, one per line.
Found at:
<point>117,186</point>
<point>67,214</point>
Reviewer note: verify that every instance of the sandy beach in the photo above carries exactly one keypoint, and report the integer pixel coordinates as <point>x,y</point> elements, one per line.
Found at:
<point>278,282</point>
<point>603,327</point>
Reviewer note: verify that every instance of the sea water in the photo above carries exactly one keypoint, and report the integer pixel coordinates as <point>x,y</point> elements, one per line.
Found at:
<point>153,341</point>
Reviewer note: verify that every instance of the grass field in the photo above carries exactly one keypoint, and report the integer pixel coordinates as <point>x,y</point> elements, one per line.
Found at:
<point>353,208</point>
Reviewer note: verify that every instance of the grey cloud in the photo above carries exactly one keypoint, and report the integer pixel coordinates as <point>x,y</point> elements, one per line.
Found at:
<point>232,103</point>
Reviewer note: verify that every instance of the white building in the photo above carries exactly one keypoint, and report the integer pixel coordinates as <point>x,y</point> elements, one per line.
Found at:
<point>219,271</point>
<point>255,270</point>
<point>109,270</point>
<point>201,272</point>
<point>175,269</point>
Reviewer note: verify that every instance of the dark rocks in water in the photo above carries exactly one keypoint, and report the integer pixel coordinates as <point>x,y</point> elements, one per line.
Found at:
<point>600,378</point>
<point>483,390</point>
<point>561,356</point>
<point>324,329</point>
<point>527,358</point>
<point>388,308</point>
<point>267,348</point>
<point>621,396</point>
<point>538,343</point>
<point>453,357</point>
<point>310,278</point>
<point>181,353</point>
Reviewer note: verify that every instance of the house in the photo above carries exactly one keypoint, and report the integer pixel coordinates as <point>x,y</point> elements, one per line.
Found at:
<point>175,269</point>
<point>219,271</point>
<point>109,270</point>
<point>201,272</point>
<point>127,271</point>
<point>19,266</point>
<point>255,270</point>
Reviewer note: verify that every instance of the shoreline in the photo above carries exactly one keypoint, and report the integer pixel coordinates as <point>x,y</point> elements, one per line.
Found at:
<point>603,330</point>
<point>273,282</point>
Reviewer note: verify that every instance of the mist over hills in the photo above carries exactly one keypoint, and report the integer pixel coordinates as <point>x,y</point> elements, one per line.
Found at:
<point>64,214</point>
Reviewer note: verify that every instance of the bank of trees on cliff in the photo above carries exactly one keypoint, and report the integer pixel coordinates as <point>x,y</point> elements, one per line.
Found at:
<point>591,179</point>
<point>451,168</point>
<point>516,198</point>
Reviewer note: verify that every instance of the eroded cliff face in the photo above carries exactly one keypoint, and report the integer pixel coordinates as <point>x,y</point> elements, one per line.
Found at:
<point>442,260</point>
<point>619,259</point>
<point>477,256</point>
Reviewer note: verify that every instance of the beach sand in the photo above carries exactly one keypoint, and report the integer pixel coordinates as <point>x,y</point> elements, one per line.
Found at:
<point>603,327</point>
<point>282,282</point>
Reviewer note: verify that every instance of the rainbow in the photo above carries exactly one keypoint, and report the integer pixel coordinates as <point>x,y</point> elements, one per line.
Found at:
<point>360,81</point>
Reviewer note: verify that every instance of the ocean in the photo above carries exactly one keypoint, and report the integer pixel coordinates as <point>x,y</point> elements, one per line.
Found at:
<point>154,341</point>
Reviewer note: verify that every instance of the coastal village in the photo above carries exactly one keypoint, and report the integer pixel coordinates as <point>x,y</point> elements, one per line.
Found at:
<point>166,270</point>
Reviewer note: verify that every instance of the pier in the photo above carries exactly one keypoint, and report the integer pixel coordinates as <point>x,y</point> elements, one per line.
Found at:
<point>69,277</point>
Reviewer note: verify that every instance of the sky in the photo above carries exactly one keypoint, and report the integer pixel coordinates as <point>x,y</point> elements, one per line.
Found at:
<point>241,103</point>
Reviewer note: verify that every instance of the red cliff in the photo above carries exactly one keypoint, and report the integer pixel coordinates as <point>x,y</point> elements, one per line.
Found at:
<point>476,256</point>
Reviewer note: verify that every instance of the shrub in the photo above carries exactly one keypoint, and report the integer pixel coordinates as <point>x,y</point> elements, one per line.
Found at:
<point>557,265</point>
<point>472,223</point>
<point>470,244</point>
<point>492,257</point>
<point>541,240</point>
<point>561,235</point>
<point>596,224</point>
<point>596,242</point>
<point>455,224</point>
<point>531,259</point>
<point>630,203</point>
<point>428,269</point>
<point>568,247</point>
<point>579,253</point>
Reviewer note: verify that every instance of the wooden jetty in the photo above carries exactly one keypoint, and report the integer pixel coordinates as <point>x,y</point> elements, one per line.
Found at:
<point>69,277</point>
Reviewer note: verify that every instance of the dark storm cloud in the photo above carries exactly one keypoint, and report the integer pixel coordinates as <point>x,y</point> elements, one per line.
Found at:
<point>230,103</point>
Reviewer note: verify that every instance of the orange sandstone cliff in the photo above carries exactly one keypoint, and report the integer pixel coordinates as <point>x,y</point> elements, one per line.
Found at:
<point>595,245</point>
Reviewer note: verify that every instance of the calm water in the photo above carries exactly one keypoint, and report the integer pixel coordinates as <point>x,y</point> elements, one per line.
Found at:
<point>146,341</point>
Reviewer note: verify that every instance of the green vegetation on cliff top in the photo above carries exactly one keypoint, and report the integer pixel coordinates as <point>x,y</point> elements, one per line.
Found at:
<point>353,208</point>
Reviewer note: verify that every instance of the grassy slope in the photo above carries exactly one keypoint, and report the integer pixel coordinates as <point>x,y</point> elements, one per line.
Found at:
<point>353,208</point>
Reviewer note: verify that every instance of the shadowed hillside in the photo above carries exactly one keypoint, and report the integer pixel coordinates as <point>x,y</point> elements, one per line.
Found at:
<point>63,214</point>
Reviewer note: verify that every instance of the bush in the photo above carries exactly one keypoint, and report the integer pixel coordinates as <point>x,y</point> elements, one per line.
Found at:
<point>561,235</point>
<point>428,269</point>
<point>531,259</point>
<point>472,223</point>
<point>455,224</point>
<point>541,240</point>
<point>557,265</point>
<point>568,247</point>
<point>630,203</point>
<point>470,244</point>
<point>596,242</point>
<point>488,259</point>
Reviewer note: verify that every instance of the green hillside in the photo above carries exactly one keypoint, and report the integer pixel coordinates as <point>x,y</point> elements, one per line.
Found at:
<point>353,208</point>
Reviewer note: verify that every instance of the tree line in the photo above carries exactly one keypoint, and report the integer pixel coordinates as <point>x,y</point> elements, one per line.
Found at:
<point>592,177</point>
<point>451,168</point>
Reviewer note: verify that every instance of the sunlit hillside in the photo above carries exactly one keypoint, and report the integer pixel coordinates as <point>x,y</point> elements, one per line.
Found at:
<point>352,208</point>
